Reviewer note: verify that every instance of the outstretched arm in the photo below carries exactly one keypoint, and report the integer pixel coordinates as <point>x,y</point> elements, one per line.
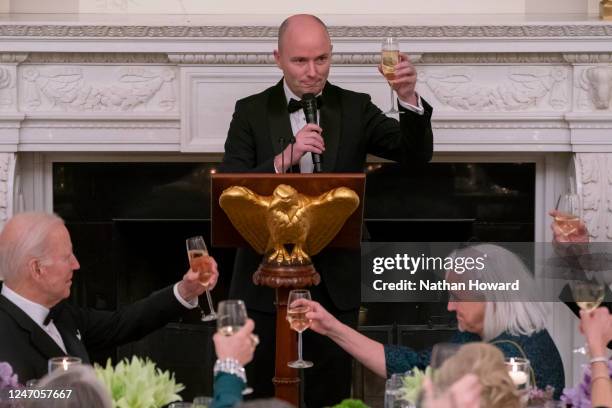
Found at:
<point>368,352</point>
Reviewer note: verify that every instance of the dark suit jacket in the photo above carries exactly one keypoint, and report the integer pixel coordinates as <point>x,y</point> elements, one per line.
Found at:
<point>353,127</point>
<point>25,346</point>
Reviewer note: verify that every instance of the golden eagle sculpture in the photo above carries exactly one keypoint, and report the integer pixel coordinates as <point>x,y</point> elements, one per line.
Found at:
<point>288,227</point>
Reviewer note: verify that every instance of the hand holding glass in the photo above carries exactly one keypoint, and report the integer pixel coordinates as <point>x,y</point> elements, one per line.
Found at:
<point>588,295</point>
<point>199,262</point>
<point>569,212</point>
<point>389,59</point>
<point>232,316</point>
<point>298,322</point>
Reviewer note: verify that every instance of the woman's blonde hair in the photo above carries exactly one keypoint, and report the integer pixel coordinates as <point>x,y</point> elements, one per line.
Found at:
<point>487,363</point>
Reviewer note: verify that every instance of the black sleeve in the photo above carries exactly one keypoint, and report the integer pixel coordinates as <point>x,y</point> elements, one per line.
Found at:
<point>103,329</point>
<point>240,146</point>
<point>409,143</point>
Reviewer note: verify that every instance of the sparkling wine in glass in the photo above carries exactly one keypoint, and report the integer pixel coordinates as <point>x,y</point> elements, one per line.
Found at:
<point>199,261</point>
<point>588,295</point>
<point>231,317</point>
<point>569,212</point>
<point>389,59</point>
<point>299,322</point>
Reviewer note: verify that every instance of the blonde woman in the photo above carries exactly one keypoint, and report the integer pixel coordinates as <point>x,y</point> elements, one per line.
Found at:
<point>486,362</point>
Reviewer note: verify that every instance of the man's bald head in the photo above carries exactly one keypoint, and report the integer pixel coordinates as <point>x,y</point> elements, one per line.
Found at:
<point>303,24</point>
<point>25,236</point>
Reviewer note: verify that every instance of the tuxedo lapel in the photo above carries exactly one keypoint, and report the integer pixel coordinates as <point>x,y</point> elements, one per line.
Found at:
<point>39,339</point>
<point>331,113</point>
<point>70,334</point>
<point>278,118</point>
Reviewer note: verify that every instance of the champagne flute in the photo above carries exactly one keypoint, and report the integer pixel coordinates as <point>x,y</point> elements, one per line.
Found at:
<point>588,295</point>
<point>232,316</point>
<point>196,248</point>
<point>298,322</point>
<point>389,59</point>
<point>569,209</point>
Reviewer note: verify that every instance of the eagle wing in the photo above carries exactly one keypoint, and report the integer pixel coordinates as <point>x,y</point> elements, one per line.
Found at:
<point>328,213</point>
<point>247,211</point>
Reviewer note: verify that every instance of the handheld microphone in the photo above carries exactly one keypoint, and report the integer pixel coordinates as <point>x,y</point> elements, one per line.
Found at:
<point>309,104</point>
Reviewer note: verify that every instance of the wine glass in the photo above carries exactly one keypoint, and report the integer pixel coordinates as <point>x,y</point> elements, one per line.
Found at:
<point>298,322</point>
<point>389,59</point>
<point>202,402</point>
<point>588,295</point>
<point>232,316</point>
<point>442,352</point>
<point>569,213</point>
<point>196,248</point>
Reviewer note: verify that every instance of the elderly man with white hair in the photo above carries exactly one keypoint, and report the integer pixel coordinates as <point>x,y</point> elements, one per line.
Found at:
<point>36,323</point>
<point>517,328</point>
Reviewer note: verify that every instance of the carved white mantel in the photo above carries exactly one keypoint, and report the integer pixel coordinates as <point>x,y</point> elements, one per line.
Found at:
<point>155,88</point>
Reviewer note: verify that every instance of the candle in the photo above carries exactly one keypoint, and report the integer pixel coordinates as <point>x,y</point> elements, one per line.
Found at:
<point>518,370</point>
<point>63,363</point>
<point>518,377</point>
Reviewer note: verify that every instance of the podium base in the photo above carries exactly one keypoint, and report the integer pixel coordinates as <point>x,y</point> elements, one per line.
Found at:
<point>286,276</point>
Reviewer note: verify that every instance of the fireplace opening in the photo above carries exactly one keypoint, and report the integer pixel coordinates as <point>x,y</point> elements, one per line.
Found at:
<point>129,222</point>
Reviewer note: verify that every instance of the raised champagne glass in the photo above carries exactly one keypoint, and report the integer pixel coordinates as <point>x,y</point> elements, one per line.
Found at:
<point>389,59</point>
<point>199,261</point>
<point>588,295</point>
<point>298,322</point>
<point>232,316</point>
<point>569,212</point>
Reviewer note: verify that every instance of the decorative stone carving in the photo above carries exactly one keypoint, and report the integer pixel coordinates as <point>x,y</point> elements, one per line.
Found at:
<point>7,88</point>
<point>430,31</point>
<point>594,172</point>
<point>524,88</point>
<point>493,57</point>
<point>96,58</point>
<point>66,89</point>
<point>12,58</point>
<point>602,58</point>
<point>596,86</point>
<point>7,160</point>
<point>268,59</point>
<point>113,5</point>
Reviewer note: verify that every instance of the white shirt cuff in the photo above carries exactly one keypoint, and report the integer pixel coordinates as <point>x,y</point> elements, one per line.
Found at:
<point>419,110</point>
<point>189,305</point>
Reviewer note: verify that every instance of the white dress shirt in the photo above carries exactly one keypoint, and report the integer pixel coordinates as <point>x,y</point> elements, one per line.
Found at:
<point>36,312</point>
<point>298,121</point>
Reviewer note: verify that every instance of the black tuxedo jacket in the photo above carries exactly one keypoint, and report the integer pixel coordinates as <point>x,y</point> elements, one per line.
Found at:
<point>27,348</point>
<point>353,127</point>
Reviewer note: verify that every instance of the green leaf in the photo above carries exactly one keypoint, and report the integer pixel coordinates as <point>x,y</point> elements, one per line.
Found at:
<point>138,383</point>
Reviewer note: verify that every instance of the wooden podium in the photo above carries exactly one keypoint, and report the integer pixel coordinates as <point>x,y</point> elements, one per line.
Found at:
<point>286,381</point>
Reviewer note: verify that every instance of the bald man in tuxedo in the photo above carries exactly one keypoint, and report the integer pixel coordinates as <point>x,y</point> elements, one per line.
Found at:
<point>350,128</point>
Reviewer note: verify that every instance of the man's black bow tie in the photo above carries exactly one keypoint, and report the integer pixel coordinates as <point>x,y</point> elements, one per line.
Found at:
<point>295,106</point>
<point>53,313</point>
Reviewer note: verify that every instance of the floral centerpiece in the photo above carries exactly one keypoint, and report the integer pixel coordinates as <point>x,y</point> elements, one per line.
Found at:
<point>8,381</point>
<point>580,395</point>
<point>138,383</point>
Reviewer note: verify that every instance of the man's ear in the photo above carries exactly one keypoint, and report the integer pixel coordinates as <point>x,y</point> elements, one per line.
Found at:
<point>34,268</point>
<point>277,58</point>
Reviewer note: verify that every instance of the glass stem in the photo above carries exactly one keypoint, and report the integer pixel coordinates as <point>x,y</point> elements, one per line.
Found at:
<point>300,346</point>
<point>210,302</point>
<point>392,99</point>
